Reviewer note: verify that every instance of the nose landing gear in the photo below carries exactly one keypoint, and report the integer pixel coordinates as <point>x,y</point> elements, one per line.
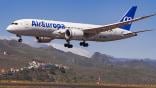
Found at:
<point>20,38</point>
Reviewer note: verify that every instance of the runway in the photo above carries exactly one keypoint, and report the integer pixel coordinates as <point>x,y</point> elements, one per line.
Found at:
<point>65,85</point>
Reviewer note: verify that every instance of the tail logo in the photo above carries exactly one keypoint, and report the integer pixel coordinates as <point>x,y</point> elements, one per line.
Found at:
<point>127,18</point>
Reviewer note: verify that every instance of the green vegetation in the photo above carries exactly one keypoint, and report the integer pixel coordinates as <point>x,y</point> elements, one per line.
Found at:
<point>82,69</point>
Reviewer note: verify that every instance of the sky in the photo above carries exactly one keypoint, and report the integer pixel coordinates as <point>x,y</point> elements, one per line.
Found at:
<point>88,11</point>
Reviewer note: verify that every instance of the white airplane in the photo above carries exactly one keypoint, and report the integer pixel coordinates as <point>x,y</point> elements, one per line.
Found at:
<point>46,30</point>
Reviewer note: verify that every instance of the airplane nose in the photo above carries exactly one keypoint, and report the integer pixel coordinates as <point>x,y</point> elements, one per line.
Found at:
<point>9,29</point>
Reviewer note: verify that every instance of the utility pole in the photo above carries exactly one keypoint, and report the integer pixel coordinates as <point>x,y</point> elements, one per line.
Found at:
<point>99,80</point>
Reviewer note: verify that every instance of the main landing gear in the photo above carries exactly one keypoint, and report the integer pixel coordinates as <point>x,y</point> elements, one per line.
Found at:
<point>84,44</point>
<point>20,38</point>
<point>68,44</point>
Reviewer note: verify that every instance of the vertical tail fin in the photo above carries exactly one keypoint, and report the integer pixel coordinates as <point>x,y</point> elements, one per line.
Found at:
<point>129,16</point>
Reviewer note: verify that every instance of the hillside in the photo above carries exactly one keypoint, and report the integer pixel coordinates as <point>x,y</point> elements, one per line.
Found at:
<point>82,69</point>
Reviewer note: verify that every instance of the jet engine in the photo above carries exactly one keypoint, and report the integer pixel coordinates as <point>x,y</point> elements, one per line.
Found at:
<point>74,33</point>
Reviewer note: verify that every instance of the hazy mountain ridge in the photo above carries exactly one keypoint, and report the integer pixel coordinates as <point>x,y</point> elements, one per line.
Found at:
<point>111,69</point>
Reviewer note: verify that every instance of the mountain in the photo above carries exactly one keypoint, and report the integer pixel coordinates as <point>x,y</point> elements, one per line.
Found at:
<point>82,69</point>
<point>19,54</point>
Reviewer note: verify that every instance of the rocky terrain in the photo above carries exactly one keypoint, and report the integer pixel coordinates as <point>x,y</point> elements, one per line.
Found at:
<point>82,69</point>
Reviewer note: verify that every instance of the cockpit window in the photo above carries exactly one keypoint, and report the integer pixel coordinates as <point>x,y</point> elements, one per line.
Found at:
<point>14,23</point>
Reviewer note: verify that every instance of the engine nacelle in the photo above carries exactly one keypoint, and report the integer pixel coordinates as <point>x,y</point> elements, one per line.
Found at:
<point>75,33</point>
<point>43,39</point>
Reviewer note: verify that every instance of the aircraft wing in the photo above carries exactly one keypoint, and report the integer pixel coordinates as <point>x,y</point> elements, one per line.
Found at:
<point>95,31</point>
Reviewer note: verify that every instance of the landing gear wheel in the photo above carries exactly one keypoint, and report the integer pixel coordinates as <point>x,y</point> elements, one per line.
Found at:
<point>65,45</point>
<point>20,40</point>
<point>84,44</point>
<point>81,43</point>
<point>68,45</point>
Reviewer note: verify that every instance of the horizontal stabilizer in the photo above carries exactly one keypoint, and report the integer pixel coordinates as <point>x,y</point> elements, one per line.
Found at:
<point>142,31</point>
